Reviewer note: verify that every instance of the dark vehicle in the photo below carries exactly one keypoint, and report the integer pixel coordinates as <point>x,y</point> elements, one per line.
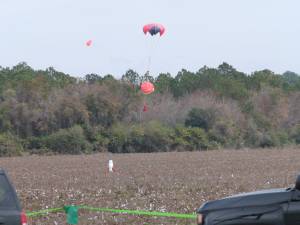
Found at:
<point>269,207</point>
<point>10,209</point>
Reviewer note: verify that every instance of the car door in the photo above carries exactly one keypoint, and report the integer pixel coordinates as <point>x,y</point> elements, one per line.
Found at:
<point>261,215</point>
<point>292,216</point>
<point>9,207</point>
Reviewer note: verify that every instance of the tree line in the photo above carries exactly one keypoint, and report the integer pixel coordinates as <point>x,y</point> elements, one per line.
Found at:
<point>47,111</point>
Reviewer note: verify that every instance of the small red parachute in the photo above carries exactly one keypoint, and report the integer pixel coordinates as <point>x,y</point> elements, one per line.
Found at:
<point>88,43</point>
<point>154,28</point>
<point>147,87</point>
<point>145,108</point>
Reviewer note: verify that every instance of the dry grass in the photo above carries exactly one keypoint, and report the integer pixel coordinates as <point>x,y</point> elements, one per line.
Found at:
<point>172,182</point>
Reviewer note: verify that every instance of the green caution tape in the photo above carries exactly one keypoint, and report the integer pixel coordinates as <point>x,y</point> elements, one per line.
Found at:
<point>72,212</point>
<point>141,212</point>
<point>43,212</point>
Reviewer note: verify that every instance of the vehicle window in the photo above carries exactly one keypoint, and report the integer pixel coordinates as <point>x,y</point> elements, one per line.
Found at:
<point>7,199</point>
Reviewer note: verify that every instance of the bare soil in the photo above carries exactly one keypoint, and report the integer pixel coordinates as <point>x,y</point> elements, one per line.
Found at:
<point>167,182</point>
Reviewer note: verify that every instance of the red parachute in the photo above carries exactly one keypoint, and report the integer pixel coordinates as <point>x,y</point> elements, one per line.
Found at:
<point>145,108</point>
<point>88,43</point>
<point>147,87</point>
<point>154,28</point>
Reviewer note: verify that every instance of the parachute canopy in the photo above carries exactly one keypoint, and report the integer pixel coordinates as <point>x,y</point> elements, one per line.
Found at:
<point>147,87</point>
<point>154,28</point>
<point>88,43</point>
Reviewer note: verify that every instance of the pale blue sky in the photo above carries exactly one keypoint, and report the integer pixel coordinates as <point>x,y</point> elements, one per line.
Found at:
<point>249,34</point>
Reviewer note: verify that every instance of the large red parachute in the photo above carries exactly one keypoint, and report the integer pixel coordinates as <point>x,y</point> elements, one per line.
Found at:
<point>88,43</point>
<point>154,28</point>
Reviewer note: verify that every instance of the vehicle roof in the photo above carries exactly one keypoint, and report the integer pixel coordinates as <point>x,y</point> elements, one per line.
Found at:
<point>258,198</point>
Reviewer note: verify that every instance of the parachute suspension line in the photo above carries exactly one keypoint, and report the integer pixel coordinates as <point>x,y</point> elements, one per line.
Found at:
<point>149,53</point>
<point>146,86</point>
<point>149,65</point>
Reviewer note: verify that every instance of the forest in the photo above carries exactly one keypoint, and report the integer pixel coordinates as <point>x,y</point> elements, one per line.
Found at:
<point>51,112</point>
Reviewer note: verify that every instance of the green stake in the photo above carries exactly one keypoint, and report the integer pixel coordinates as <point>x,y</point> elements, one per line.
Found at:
<point>72,214</point>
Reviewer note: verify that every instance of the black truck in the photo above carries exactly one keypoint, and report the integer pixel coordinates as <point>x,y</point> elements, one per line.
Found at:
<point>10,209</point>
<point>268,207</point>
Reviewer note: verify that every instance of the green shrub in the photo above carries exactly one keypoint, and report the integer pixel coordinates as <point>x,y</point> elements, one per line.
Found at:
<point>98,137</point>
<point>10,145</point>
<point>157,137</point>
<point>118,138</point>
<point>203,118</point>
<point>282,137</point>
<point>227,134</point>
<point>136,141</point>
<point>149,137</point>
<point>261,121</point>
<point>35,143</point>
<point>295,134</point>
<point>190,138</point>
<point>274,139</point>
<point>252,137</point>
<point>70,141</point>
<point>267,141</point>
